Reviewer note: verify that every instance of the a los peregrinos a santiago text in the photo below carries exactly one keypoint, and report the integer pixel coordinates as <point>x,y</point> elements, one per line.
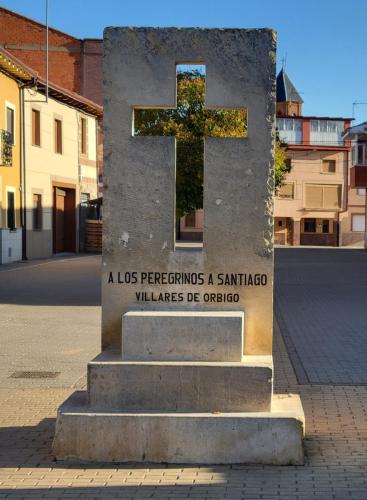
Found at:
<point>153,278</point>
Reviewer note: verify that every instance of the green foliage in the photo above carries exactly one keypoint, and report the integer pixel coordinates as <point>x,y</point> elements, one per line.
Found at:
<point>190,122</point>
<point>281,167</point>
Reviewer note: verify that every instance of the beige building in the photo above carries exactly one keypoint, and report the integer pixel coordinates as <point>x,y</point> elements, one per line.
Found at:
<point>311,208</point>
<point>58,131</point>
<point>354,221</point>
<point>60,147</point>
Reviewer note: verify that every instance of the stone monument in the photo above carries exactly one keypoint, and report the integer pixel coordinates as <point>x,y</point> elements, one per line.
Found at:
<point>186,372</point>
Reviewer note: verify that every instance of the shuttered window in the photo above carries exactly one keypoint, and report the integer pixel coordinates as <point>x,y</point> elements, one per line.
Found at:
<point>329,166</point>
<point>358,223</point>
<point>286,191</point>
<point>10,125</point>
<point>331,197</point>
<point>36,128</point>
<point>58,136</point>
<point>318,196</point>
<point>83,134</point>
<point>313,196</point>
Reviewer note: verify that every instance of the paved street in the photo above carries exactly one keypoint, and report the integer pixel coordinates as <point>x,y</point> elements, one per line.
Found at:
<point>49,321</point>
<point>320,303</point>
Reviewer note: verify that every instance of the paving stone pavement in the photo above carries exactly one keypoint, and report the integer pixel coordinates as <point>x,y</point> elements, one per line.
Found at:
<point>320,302</point>
<point>335,445</point>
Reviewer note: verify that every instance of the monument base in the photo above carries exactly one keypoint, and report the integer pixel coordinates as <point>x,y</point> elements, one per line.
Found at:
<point>273,437</point>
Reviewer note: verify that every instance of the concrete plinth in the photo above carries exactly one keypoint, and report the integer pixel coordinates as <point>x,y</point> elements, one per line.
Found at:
<point>258,437</point>
<point>180,386</point>
<point>183,336</point>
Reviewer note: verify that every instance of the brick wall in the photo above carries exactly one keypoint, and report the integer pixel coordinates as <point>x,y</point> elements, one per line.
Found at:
<point>73,64</point>
<point>92,70</point>
<point>25,39</point>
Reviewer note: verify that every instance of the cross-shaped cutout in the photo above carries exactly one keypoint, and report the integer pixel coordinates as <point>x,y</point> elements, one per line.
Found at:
<point>190,122</point>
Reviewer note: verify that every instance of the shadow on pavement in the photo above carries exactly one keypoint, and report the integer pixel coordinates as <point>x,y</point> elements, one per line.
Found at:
<point>71,281</point>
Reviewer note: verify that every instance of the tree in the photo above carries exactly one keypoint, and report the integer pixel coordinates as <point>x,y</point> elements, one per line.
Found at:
<point>281,167</point>
<point>190,122</point>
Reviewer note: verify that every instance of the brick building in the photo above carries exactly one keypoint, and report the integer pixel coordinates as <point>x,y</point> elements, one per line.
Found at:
<point>74,64</point>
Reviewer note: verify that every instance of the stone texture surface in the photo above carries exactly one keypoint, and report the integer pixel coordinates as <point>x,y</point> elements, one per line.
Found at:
<point>182,336</point>
<point>139,66</point>
<point>263,438</point>
<point>180,386</point>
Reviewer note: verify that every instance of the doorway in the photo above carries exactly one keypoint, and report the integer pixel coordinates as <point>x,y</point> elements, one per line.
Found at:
<point>64,219</point>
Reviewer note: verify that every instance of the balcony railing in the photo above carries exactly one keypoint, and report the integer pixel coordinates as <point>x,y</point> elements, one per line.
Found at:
<point>6,149</point>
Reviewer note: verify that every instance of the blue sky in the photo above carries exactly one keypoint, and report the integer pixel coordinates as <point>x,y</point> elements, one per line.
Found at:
<point>324,41</point>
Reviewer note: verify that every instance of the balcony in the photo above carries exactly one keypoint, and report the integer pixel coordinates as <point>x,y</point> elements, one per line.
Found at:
<point>358,176</point>
<point>6,149</point>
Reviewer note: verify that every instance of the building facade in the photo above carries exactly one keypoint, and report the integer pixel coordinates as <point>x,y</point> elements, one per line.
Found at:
<point>311,207</point>
<point>56,174</point>
<point>355,219</point>
<point>10,148</point>
<point>74,64</point>
<point>60,148</point>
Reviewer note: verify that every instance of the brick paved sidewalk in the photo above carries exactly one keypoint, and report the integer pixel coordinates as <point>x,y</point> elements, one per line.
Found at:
<point>336,449</point>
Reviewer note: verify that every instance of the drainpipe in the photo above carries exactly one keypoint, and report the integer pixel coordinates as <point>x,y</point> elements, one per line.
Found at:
<point>46,62</point>
<point>346,189</point>
<point>23,191</point>
<point>23,213</point>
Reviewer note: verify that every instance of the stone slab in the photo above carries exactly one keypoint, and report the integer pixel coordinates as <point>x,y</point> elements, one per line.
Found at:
<point>182,335</point>
<point>139,190</point>
<point>260,438</point>
<point>180,386</point>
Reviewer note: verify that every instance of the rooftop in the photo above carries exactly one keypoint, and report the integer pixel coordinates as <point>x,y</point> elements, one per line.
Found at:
<point>12,66</point>
<point>286,91</point>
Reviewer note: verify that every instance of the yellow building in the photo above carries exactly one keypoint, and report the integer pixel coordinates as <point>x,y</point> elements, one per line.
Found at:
<point>49,163</point>
<point>10,169</point>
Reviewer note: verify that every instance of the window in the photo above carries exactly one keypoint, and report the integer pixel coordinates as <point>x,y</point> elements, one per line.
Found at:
<point>328,166</point>
<point>37,212</point>
<point>290,130</point>
<point>289,124</point>
<point>319,196</point>
<point>190,220</point>
<point>360,155</point>
<point>286,191</point>
<point>10,210</point>
<point>310,225</point>
<point>361,191</point>
<point>58,136</point>
<point>10,124</point>
<point>280,223</point>
<point>83,134</point>
<point>358,223</point>
<point>325,226</point>
<point>36,128</point>
<point>313,196</point>
<point>326,132</point>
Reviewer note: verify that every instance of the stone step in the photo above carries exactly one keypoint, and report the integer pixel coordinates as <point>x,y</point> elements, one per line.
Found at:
<point>204,438</point>
<point>184,386</point>
<point>182,335</point>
